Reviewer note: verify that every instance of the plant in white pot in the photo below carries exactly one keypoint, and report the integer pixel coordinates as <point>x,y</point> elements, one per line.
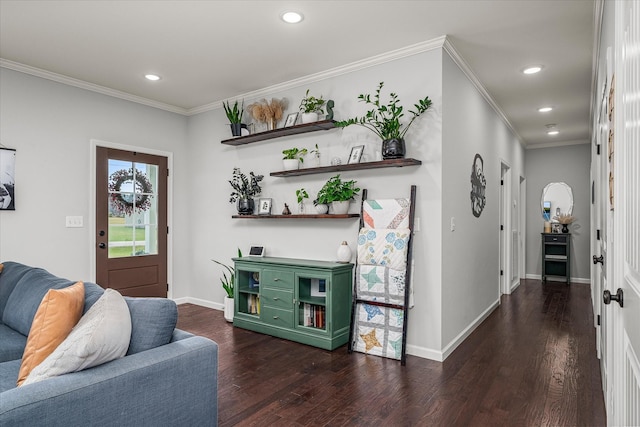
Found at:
<point>293,157</point>
<point>338,193</point>
<point>228,285</point>
<point>384,121</point>
<point>310,108</point>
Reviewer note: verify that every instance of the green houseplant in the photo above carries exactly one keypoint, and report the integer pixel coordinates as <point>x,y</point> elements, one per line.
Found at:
<point>310,107</point>
<point>384,120</point>
<point>338,193</point>
<point>301,194</point>
<point>228,285</point>
<point>234,114</point>
<point>244,190</point>
<point>293,157</point>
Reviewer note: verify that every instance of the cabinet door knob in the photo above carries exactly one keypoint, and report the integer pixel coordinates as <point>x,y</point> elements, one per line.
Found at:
<point>276,298</point>
<point>276,317</point>
<point>276,280</point>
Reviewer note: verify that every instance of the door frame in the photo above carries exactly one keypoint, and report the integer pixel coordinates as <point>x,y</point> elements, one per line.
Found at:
<point>94,143</point>
<point>506,251</point>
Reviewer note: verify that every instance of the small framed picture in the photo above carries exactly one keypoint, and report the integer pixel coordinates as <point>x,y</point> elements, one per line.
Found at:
<point>291,119</point>
<point>556,227</point>
<point>264,207</point>
<point>356,154</point>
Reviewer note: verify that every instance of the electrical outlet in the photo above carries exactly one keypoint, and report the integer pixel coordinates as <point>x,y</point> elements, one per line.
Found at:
<point>74,222</point>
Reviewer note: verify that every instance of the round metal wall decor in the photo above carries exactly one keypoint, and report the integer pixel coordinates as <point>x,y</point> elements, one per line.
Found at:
<point>478,186</point>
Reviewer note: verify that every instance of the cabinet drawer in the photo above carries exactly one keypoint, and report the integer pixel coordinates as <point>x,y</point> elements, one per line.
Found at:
<point>277,317</point>
<point>277,278</point>
<point>277,298</point>
<point>555,239</point>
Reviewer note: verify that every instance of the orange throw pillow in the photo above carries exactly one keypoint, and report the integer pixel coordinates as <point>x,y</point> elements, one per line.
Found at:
<point>57,314</point>
<point>1,267</point>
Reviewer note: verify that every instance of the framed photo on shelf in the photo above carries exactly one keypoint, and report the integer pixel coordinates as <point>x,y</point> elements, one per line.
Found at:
<point>356,154</point>
<point>264,207</point>
<point>556,227</point>
<point>291,120</point>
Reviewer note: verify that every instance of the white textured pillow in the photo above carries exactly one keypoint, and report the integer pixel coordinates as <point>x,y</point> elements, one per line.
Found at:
<point>100,336</point>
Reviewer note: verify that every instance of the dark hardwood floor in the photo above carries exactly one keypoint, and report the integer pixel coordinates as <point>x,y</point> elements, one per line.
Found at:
<point>531,363</point>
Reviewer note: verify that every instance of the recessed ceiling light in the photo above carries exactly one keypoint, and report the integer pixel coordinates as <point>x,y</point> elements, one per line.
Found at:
<point>292,17</point>
<point>532,70</point>
<point>545,109</point>
<point>152,77</point>
<point>553,132</point>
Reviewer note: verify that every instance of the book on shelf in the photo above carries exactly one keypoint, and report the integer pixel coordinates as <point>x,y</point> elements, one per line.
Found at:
<point>318,287</point>
<point>253,304</point>
<point>314,315</point>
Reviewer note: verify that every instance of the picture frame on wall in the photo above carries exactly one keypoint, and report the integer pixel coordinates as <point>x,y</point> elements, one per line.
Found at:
<point>291,120</point>
<point>356,154</point>
<point>7,179</point>
<point>264,207</point>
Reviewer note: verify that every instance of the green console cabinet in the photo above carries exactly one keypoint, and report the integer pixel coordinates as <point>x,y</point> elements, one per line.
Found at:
<point>300,300</point>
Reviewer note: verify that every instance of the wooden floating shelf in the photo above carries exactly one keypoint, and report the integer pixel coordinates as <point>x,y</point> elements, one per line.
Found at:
<point>317,216</point>
<point>393,163</point>
<point>277,133</point>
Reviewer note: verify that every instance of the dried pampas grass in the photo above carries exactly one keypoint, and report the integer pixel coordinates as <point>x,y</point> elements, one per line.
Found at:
<point>264,111</point>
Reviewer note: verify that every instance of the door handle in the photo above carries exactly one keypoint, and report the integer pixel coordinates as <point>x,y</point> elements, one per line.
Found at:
<point>619,297</point>
<point>102,245</point>
<point>598,259</point>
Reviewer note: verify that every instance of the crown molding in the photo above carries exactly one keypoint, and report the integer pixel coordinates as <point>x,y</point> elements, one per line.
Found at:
<point>459,60</point>
<point>556,144</point>
<point>393,55</point>
<point>70,81</point>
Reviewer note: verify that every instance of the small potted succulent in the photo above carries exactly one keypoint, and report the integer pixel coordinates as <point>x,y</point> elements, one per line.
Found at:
<point>293,157</point>
<point>234,114</point>
<point>311,107</point>
<point>384,121</point>
<point>244,190</point>
<point>338,193</point>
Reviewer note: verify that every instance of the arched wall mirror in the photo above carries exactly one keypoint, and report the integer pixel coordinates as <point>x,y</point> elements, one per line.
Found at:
<point>557,199</point>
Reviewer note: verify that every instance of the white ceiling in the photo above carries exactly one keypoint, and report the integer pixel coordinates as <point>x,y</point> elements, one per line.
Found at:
<point>208,51</point>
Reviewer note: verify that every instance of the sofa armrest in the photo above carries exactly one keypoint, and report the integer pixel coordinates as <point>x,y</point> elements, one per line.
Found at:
<point>175,384</point>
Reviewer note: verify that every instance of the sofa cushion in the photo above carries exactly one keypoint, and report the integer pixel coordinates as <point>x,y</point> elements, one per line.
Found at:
<point>58,313</point>
<point>12,343</point>
<point>25,299</point>
<point>153,321</point>
<point>100,336</point>
<point>11,274</point>
<point>8,374</point>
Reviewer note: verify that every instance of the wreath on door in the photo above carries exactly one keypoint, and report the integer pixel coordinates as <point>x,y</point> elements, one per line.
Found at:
<point>124,202</point>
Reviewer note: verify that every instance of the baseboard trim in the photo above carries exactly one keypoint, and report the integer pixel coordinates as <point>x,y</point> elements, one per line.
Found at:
<point>448,350</point>
<point>583,280</point>
<point>200,302</point>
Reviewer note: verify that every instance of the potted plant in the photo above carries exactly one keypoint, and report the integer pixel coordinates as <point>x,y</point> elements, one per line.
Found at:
<point>244,190</point>
<point>234,114</point>
<point>384,121</point>
<point>228,285</point>
<point>565,220</point>
<point>293,157</point>
<point>301,194</point>
<point>316,156</point>
<point>310,106</point>
<point>338,193</point>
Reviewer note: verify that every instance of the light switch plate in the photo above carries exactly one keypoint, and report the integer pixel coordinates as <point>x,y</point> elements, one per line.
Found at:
<point>74,222</point>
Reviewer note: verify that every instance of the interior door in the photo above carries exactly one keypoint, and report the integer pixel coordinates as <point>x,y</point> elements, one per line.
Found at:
<point>624,151</point>
<point>131,222</point>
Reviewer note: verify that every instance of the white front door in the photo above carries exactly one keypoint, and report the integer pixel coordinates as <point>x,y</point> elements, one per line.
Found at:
<point>625,278</point>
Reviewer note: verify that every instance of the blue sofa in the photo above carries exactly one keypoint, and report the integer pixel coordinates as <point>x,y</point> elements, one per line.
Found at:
<point>167,378</point>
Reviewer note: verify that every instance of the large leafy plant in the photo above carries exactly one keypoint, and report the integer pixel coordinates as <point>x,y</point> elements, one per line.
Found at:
<point>336,190</point>
<point>243,187</point>
<point>384,119</point>
<point>294,153</point>
<point>228,281</point>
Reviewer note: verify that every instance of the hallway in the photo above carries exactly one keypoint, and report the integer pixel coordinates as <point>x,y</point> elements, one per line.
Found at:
<point>532,362</point>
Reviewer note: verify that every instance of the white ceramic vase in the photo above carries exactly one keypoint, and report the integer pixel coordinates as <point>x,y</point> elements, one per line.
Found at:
<point>322,208</point>
<point>290,164</point>
<point>228,309</point>
<point>308,117</point>
<point>340,208</point>
<point>344,252</point>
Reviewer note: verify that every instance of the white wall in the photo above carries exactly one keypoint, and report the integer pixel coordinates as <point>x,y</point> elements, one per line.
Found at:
<point>569,164</point>
<point>216,235</point>
<point>470,254</point>
<point>51,125</point>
